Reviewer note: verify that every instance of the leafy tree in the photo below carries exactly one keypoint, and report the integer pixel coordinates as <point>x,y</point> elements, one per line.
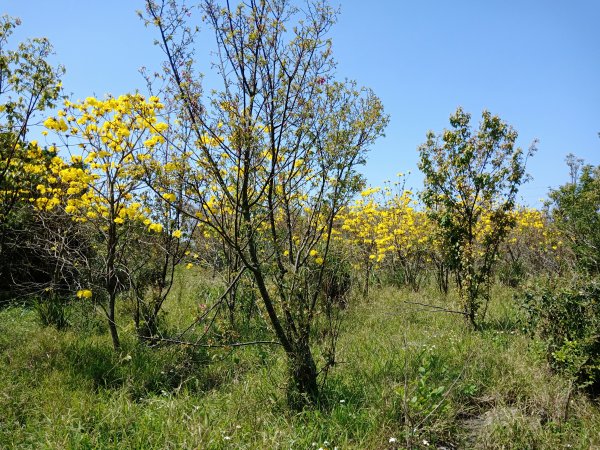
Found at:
<point>275,152</point>
<point>28,86</point>
<point>575,208</point>
<point>472,177</point>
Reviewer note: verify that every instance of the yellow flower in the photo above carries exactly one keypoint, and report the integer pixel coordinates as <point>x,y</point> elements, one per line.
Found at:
<point>85,293</point>
<point>157,227</point>
<point>169,197</point>
<point>161,126</point>
<point>177,234</point>
<point>189,266</point>
<point>319,260</point>
<point>313,252</point>
<point>50,122</point>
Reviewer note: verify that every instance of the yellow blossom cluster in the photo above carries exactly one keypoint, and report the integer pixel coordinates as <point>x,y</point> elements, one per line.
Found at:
<point>102,183</point>
<point>383,223</point>
<point>387,228</point>
<point>84,293</point>
<point>533,232</point>
<point>28,175</point>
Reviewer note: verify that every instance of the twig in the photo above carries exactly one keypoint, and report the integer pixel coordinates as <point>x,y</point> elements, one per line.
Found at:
<point>197,344</point>
<point>565,417</point>
<point>215,305</point>
<point>436,308</point>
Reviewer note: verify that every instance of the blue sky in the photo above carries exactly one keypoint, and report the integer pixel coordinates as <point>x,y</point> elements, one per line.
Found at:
<point>534,63</point>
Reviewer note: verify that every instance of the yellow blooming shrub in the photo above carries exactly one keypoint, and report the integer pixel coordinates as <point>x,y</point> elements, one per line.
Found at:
<point>384,228</point>
<point>533,245</point>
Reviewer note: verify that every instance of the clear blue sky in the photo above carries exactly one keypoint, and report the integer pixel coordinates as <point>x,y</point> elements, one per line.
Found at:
<point>536,63</point>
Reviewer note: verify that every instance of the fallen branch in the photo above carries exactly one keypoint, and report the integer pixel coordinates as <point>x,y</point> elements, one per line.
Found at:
<point>436,308</point>
<point>198,344</point>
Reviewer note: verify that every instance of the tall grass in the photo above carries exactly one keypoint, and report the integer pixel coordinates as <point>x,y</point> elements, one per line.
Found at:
<point>406,378</point>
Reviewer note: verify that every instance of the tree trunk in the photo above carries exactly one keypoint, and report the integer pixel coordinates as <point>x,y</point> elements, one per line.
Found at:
<point>111,281</point>
<point>303,389</point>
<point>112,325</point>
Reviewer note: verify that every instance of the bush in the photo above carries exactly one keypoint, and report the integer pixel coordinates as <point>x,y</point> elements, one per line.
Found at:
<point>567,319</point>
<point>575,208</point>
<point>512,273</point>
<point>52,310</point>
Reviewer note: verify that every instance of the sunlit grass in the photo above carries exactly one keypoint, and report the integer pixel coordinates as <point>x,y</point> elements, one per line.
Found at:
<point>406,375</point>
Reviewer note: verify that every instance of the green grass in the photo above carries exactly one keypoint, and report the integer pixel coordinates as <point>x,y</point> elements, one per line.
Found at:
<point>405,373</point>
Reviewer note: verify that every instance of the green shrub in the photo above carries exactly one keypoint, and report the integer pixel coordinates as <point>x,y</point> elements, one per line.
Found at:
<point>567,318</point>
<point>53,311</point>
<point>512,273</point>
<point>575,208</point>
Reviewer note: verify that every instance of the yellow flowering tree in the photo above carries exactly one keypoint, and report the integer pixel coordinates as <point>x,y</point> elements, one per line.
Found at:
<point>274,153</point>
<point>28,86</point>
<point>534,245</point>
<point>103,186</point>
<point>409,242</point>
<point>360,229</point>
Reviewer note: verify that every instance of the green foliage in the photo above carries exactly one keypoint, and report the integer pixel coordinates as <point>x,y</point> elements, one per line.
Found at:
<point>423,397</point>
<point>69,389</point>
<point>512,272</point>
<point>427,396</point>
<point>567,318</point>
<point>52,310</point>
<point>28,86</point>
<point>30,82</point>
<point>575,208</point>
<point>472,177</point>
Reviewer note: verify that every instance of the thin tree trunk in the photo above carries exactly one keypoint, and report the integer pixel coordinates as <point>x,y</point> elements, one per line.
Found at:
<point>112,325</point>
<point>111,278</point>
<point>303,389</point>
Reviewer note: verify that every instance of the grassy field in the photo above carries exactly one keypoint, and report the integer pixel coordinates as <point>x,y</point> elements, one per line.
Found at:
<point>407,378</point>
